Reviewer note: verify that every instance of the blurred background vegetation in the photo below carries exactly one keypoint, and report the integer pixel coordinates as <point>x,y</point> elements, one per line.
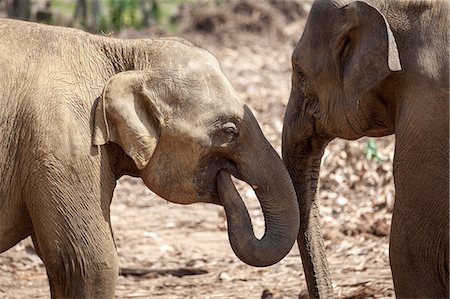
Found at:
<point>100,15</point>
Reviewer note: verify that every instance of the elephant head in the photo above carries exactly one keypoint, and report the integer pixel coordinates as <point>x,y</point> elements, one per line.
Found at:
<point>186,131</point>
<point>343,58</point>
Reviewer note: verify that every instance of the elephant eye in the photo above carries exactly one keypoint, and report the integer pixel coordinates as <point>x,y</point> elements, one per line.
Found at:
<point>227,134</point>
<point>230,128</point>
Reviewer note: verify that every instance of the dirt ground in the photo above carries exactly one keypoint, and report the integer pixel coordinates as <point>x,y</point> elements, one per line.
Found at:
<point>173,251</point>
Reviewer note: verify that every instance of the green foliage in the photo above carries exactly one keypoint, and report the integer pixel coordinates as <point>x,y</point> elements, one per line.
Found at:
<point>122,13</point>
<point>163,11</point>
<point>119,14</point>
<point>66,7</point>
<point>371,151</point>
<point>114,15</point>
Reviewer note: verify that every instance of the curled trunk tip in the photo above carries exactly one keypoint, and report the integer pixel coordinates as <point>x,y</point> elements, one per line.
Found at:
<point>281,230</point>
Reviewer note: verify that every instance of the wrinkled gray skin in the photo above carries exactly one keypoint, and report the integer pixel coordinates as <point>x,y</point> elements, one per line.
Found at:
<point>78,111</point>
<point>375,69</point>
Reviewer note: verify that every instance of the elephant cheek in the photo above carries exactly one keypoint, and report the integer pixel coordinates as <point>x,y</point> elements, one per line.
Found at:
<point>205,177</point>
<point>172,184</point>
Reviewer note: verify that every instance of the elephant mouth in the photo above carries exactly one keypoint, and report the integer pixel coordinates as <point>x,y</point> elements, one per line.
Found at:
<point>206,178</point>
<point>229,172</point>
<point>225,173</point>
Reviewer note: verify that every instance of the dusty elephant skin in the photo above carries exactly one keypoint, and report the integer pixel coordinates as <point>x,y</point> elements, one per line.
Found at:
<point>78,111</point>
<point>372,69</point>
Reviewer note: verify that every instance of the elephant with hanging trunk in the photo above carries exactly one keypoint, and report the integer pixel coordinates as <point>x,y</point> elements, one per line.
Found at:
<point>78,111</point>
<point>375,68</point>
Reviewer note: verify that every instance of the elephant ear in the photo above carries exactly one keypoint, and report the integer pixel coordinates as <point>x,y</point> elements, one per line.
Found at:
<point>369,52</point>
<point>127,114</point>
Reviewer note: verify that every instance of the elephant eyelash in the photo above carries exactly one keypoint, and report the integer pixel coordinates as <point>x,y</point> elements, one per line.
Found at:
<point>231,130</point>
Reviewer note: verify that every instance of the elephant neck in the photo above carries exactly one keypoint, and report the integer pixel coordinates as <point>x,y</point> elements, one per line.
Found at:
<point>139,54</point>
<point>120,55</point>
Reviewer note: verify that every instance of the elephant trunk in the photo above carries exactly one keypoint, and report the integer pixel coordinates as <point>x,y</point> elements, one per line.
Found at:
<point>305,176</point>
<point>278,201</point>
<point>302,149</point>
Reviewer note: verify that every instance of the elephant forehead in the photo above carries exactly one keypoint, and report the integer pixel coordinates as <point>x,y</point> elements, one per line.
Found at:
<point>318,40</point>
<point>201,89</point>
<point>212,94</point>
<point>211,110</point>
<point>188,60</point>
<point>208,78</point>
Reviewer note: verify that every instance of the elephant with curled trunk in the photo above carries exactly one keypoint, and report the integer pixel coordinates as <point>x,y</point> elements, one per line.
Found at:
<point>79,111</point>
<point>375,68</point>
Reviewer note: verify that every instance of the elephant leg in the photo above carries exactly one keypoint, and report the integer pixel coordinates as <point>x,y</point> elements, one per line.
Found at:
<point>15,226</point>
<point>419,246</point>
<point>419,240</point>
<point>74,240</point>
